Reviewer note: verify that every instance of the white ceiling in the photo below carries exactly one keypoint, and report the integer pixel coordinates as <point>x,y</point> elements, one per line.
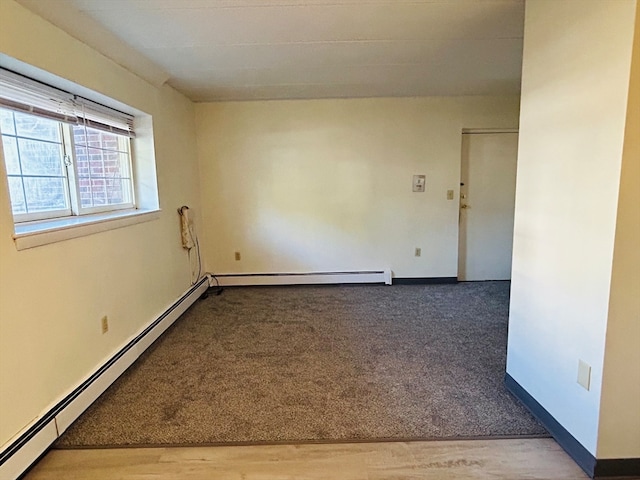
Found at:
<point>275,49</point>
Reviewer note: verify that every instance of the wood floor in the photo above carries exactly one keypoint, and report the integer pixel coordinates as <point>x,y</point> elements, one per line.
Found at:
<point>530,459</point>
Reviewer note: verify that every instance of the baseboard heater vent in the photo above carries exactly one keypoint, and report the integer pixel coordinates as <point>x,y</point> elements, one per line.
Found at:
<point>23,450</point>
<point>312,278</point>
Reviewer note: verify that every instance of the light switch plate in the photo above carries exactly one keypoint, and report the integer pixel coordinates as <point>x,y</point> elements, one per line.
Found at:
<point>584,374</point>
<point>419,183</point>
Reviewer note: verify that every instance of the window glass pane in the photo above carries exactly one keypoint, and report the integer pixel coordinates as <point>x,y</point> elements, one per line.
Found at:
<point>79,135</point>
<point>112,164</point>
<point>40,158</point>
<point>104,174</point>
<point>124,165</point>
<point>18,205</point>
<point>37,127</point>
<point>98,192</point>
<point>89,137</point>
<point>82,161</point>
<point>118,191</point>
<point>84,192</point>
<point>45,194</point>
<point>96,162</point>
<point>11,158</point>
<point>6,122</point>
<point>108,141</point>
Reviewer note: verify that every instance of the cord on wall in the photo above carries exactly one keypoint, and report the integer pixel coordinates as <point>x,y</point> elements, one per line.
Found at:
<point>190,243</point>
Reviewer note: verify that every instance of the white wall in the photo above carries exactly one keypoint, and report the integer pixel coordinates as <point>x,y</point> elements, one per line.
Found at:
<point>52,297</point>
<point>325,185</point>
<point>576,66</point>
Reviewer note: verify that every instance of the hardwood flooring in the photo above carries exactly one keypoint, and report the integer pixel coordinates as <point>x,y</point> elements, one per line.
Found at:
<point>516,459</point>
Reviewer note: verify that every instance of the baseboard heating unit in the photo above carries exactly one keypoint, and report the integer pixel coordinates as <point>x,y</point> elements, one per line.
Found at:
<point>312,278</point>
<point>17,455</point>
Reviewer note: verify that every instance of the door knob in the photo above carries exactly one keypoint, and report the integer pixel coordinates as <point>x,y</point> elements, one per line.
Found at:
<point>465,206</point>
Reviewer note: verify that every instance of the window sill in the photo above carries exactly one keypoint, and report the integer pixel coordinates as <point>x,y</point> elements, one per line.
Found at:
<point>35,234</point>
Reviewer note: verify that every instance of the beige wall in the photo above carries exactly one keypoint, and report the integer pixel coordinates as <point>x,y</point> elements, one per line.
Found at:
<point>576,64</point>
<point>325,185</point>
<point>619,429</point>
<point>52,297</point>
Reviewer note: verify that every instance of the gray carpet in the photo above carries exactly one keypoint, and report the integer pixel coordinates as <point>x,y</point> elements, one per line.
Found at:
<point>328,363</point>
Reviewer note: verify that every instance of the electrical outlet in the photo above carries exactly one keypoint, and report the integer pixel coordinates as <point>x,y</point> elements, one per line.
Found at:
<point>418,252</point>
<point>584,374</point>
<point>237,255</point>
<point>105,324</point>
<point>449,194</point>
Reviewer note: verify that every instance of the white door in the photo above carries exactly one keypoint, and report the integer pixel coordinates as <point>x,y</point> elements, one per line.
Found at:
<point>487,198</point>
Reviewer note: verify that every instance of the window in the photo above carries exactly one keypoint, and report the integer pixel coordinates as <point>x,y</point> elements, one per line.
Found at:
<point>64,155</point>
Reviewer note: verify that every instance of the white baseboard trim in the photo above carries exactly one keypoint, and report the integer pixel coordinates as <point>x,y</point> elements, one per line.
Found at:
<point>23,457</point>
<point>311,278</point>
<point>17,455</point>
<point>79,404</point>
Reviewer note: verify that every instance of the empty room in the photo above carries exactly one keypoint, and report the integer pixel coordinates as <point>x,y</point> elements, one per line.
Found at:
<point>323,239</point>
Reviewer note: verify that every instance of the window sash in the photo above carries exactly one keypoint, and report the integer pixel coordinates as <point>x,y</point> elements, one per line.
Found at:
<point>124,146</point>
<point>24,173</point>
